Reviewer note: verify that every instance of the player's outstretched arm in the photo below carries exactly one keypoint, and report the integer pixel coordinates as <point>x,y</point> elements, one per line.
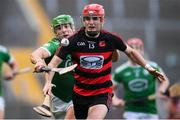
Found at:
<point>37,57</point>
<point>138,58</point>
<point>14,69</point>
<point>163,84</point>
<point>55,61</point>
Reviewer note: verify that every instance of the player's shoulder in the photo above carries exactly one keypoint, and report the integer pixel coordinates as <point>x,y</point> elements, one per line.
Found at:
<point>52,42</point>
<point>122,67</point>
<point>107,33</point>
<point>3,49</point>
<point>111,34</point>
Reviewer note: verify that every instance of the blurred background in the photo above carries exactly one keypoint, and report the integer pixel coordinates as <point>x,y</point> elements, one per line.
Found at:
<point>25,25</point>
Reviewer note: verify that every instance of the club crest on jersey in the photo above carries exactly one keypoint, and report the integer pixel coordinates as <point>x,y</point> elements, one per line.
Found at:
<point>91,62</point>
<point>102,43</point>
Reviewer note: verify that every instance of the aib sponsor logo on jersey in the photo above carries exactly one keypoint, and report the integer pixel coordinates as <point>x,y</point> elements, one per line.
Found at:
<point>91,62</point>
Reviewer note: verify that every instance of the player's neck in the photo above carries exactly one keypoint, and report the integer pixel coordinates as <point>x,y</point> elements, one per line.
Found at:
<point>92,36</point>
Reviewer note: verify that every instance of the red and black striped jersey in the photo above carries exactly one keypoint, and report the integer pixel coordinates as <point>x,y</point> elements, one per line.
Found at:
<point>94,59</point>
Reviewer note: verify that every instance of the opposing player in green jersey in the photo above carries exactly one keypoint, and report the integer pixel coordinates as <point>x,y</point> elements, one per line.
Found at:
<point>138,84</point>
<point>5,57</point>
<point>62,107</point>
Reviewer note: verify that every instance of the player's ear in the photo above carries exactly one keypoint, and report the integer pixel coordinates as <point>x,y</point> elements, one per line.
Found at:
<point>54,31</point>
<point>102,22</point>
<point>52,28</point>
<point>82,21</point>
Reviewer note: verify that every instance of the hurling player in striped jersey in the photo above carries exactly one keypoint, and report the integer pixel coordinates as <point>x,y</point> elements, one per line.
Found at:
<point>91,48</point>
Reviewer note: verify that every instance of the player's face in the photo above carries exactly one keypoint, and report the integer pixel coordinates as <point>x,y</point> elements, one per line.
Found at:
<point>63,31</point>
<point>92,23</point>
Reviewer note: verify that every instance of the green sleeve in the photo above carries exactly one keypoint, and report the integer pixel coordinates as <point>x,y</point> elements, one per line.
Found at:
<point>51,46</point>
<point>117,77</point>
<point>5,55</point>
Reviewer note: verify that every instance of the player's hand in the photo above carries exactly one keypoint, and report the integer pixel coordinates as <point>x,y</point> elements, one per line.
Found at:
<point>38,66</point>
<point>118,102</point>
<point>9,76</point>
<point>47,89</point>
<point>156,73</point>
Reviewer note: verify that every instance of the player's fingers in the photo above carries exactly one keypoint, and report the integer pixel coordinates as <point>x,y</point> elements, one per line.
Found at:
<point>49,92</point>
<point>152,97</point>
<point>38,68</point>
<point>161,79</point>
<point>8,77</point>
<point>159,75</point>
<point>45,91</point>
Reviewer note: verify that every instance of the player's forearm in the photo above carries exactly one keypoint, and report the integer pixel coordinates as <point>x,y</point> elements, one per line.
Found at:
<point>38,55</point>
<point>55,61</point>
<point>36,58</point>
<point>163,85</point>
<point>49,77</point>
<point>136,57</point>
<point>53,64</point>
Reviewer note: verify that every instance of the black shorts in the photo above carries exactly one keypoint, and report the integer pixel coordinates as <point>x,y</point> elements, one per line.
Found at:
<point>83,103</point>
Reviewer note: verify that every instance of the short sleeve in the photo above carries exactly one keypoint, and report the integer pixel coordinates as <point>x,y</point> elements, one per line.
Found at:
<point>118,42</point>
<point>5,55</point>
<point>51,46</point>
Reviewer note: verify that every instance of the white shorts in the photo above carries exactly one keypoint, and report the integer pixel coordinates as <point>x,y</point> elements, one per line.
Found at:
<point>59,107</point>
<point>139,116</point>
<point>2,103</point>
